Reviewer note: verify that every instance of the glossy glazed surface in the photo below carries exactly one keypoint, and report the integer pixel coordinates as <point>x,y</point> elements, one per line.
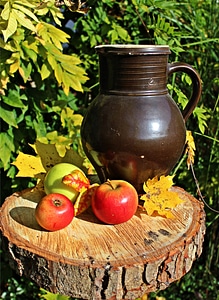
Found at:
<point>133,141</point>
<point>133,130</point>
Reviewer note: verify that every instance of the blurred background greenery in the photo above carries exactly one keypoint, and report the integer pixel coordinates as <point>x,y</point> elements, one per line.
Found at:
<point>41,94</point>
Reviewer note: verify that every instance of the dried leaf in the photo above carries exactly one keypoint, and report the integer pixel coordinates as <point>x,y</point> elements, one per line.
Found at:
<point>158,198</point>
<point>83,201</point>
<point>77,180</point>
<point>190,148</point>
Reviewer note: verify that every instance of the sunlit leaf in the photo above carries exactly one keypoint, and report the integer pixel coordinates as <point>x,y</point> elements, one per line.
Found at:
<point>23,20</point>
<point>190,149</point>
<point>29,4</point>
<point>158,197</point>
<point>77,119</point>
<point>202,115</point>
<point>28,165</point>
<point>73,82</point>
<point>46,157</point>
<point>52,35</point>
<point>57,33</point>
<point>11,26</point>
<point>25,11</point>
<point>52,61</point>
<point>14,67</point>
<point>65,82</point>
<point>67,114</point>
<point>6,11</point>
<point>25,69</point>
<point>45,71</point>
<point>71,68</point>
<point>50,156</point>
<point>58,73</point>
<point>56,15</point>
<point>61,142</point>
<point>68,59</point>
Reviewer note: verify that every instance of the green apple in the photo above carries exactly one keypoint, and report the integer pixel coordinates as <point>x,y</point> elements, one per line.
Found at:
<point>53,180</point>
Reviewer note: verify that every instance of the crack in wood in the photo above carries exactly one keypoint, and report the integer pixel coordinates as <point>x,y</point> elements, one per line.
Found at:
<point>123,278</point>
<point>105,280</point>
<point>167,269</point>
<point>18,261</point>
<point>144,279</point>
<point>159,272</point>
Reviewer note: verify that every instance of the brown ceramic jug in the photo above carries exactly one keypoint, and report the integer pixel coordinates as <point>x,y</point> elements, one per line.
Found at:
<point>133,130</point>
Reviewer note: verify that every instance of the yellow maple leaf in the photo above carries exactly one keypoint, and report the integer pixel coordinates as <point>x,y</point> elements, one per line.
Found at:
<point>157,184</point>
<point>50,156</point>
<point>158,198</point>
<point>46,157</point>
<point>190,148</point>
<point>28,165</point>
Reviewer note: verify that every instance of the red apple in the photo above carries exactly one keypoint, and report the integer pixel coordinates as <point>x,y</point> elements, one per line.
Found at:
<point>115,201</point>
<point>54,211</point>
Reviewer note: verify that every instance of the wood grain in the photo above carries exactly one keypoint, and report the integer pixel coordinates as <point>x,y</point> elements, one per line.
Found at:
<point>91,260</point>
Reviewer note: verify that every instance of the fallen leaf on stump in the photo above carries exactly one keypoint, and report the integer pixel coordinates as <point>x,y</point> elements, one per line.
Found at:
<point>83,201</point>
<point>76,180</point>
<point>158,199</point>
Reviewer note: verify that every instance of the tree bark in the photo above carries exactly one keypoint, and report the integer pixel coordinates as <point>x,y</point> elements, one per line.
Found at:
<point>90,260</point>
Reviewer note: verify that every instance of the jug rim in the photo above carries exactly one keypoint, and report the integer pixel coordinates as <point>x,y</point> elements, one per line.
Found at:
<point>132,49</point>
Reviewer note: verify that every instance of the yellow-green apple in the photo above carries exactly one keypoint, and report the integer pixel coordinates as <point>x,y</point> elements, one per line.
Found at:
<point>53,181</point>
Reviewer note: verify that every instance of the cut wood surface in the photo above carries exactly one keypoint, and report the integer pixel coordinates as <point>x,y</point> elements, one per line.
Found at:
<point>91,260</point>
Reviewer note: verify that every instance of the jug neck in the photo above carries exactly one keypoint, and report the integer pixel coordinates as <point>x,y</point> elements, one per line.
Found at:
<point>133,69</point>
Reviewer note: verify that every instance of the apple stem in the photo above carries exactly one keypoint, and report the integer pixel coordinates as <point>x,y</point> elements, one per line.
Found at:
<point>110,183</point>
<point>57,202</point>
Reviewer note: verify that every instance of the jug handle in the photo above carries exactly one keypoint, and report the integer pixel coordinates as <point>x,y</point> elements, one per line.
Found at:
<point>196,82</point>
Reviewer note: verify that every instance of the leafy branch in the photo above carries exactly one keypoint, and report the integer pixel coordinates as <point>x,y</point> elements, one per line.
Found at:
<point>30,44</point>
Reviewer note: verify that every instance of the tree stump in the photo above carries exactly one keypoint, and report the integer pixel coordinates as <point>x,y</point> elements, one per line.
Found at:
<point>90,260</point>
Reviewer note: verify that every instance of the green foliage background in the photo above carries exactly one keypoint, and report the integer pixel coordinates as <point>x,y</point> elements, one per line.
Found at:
<point>49,75</point>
